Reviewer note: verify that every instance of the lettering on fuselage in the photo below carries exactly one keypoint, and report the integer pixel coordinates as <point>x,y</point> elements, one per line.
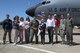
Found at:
<point>64,9</point>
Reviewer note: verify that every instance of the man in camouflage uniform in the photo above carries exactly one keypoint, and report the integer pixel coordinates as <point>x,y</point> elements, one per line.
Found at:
<point>62,28</point>
<point>69,29</point>
<point>34,29</point>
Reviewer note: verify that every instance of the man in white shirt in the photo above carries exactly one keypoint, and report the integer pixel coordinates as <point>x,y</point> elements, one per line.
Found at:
<point>50,24</point>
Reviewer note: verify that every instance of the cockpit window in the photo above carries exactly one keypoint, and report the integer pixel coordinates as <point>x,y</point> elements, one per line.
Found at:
<point>46,2</point>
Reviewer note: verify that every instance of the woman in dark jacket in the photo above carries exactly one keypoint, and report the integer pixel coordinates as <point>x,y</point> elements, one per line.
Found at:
<point>42,31</point>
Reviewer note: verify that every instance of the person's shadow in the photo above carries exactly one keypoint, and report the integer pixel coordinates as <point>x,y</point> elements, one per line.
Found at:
<point>0,43</point>
<point>75,44</point>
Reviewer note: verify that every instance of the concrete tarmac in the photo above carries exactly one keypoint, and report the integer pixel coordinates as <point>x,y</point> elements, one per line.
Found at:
<point>39,48</point>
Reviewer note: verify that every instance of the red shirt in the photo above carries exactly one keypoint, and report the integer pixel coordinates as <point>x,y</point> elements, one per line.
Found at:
<point>57,21</point>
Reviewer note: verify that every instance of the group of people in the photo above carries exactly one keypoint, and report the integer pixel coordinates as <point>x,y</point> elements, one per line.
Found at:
<point>53,24</point>
<point>66,28</point>
<point>18,25</point>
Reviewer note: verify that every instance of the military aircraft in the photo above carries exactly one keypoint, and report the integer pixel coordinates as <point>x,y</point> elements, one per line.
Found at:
<point>57,7</point>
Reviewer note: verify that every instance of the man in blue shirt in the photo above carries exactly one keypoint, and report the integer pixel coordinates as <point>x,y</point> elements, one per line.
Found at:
<point>7,26</point>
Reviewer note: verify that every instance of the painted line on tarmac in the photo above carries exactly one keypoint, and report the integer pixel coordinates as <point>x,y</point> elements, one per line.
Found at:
<point>1,41</point>
<point>33,48</point>
<point>36,49</point>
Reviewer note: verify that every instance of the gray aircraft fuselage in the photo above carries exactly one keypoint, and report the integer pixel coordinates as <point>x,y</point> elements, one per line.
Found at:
<point>51,7</point>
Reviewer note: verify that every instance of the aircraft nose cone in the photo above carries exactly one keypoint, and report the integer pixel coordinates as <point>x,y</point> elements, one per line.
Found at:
<point>30,12</point>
